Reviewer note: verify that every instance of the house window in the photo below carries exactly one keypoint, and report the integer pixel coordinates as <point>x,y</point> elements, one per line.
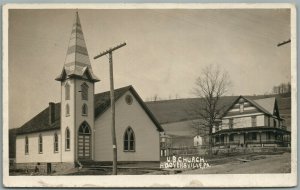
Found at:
<point>269,135</point>
<point>217,138</point>
<point>253,121</point>
<point>84,91</point>
<point>67,139</point>
<point>279,123</point>
<point>84,109</point>
<point>217,127</point>
<point>231,123</point>
<point>26,145</point>
<point>129,140</point>
<point>252,136</point>
<point>55,142</point>
<point>241,107</point>
<point>274,122</point>
<point>222,138</point>
<point>67,110</point>
<point>40,144</point>
<point>67,91</point>
<point>269,122</point>
<point>231,137</point>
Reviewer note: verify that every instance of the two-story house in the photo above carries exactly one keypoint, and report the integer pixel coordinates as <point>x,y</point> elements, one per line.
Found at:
<point>251,123</point>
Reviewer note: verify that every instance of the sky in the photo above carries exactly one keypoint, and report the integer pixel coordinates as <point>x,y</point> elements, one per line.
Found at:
<point>164,55</point>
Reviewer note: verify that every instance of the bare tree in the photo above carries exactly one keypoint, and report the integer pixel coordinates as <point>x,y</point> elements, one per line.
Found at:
<point>211,85</point>
<point>282,88</point>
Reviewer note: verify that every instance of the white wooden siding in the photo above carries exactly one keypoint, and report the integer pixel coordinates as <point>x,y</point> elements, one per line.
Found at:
<point>147,146</point>
<point>48,154</point>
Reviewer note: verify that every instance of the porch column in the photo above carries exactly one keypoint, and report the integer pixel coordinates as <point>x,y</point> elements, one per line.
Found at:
<point>245,139</point>
<point>275,136</point>
<point>260,138</point>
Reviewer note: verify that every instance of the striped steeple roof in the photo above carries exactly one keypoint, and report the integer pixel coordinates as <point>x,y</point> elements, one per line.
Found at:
<point>77,62</point>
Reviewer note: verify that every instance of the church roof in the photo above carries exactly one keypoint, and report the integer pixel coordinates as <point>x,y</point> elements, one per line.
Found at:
<point>77,62</point>
<point>40,122</point>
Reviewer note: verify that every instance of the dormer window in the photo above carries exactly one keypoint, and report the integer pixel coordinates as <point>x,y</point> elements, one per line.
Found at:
<point>84,91</point>
<point>241,106</point>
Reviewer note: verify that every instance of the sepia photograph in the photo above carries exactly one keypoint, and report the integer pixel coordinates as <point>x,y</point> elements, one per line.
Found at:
<point>149,95</point>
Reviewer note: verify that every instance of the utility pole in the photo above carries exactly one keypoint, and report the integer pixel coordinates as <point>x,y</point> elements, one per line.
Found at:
<point>112,102</point>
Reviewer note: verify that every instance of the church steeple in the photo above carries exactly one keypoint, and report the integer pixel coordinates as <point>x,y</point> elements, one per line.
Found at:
<point>77,62</point>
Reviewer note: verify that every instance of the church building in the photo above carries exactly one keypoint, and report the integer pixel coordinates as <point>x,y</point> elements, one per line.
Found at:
<point>79,127</point>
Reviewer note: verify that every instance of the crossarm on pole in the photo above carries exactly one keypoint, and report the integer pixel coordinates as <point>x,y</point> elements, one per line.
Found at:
<point>110,50</point>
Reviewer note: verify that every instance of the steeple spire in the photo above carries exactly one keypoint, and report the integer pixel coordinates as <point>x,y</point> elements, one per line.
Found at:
<point>77,61</point>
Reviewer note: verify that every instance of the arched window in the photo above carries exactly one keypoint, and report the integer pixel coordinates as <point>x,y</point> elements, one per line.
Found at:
<point>68,143</point>
<point>55,142</point>
<point>84,91</point>
<point>67,91</point>
<point>40,144</point>
<point>84,128</point>
<point>84,109</point>
<point>67,110</point>
<point>129,140</point>
<point>26,145</point>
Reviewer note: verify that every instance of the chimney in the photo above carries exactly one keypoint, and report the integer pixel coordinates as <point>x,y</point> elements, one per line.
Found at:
<point>51,113</point>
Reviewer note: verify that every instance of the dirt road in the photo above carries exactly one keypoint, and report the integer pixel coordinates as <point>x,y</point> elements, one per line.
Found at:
<point>280,163</point>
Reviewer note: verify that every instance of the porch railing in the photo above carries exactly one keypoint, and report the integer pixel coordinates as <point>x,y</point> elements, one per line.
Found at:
<point>221,143</point>
<point>264,126</point>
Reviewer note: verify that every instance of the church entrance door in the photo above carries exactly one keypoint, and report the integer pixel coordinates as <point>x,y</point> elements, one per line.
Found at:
<point>84,142</point>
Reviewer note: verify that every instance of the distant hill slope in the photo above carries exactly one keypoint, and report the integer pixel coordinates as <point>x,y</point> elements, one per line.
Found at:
<point>170,111</point>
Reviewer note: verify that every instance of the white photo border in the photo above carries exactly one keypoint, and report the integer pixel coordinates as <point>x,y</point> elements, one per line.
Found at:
<point>207,180</point>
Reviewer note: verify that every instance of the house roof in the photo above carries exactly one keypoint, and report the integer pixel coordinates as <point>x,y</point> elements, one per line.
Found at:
<point>77,62</point>
<point>265,105</point>
<point>102,103</point>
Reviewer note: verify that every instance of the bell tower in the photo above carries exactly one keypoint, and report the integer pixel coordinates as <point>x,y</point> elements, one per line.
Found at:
<point>77,100</point>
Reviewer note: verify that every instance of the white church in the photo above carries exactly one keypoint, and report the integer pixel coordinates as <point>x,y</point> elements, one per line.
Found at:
<point>79,127</point>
